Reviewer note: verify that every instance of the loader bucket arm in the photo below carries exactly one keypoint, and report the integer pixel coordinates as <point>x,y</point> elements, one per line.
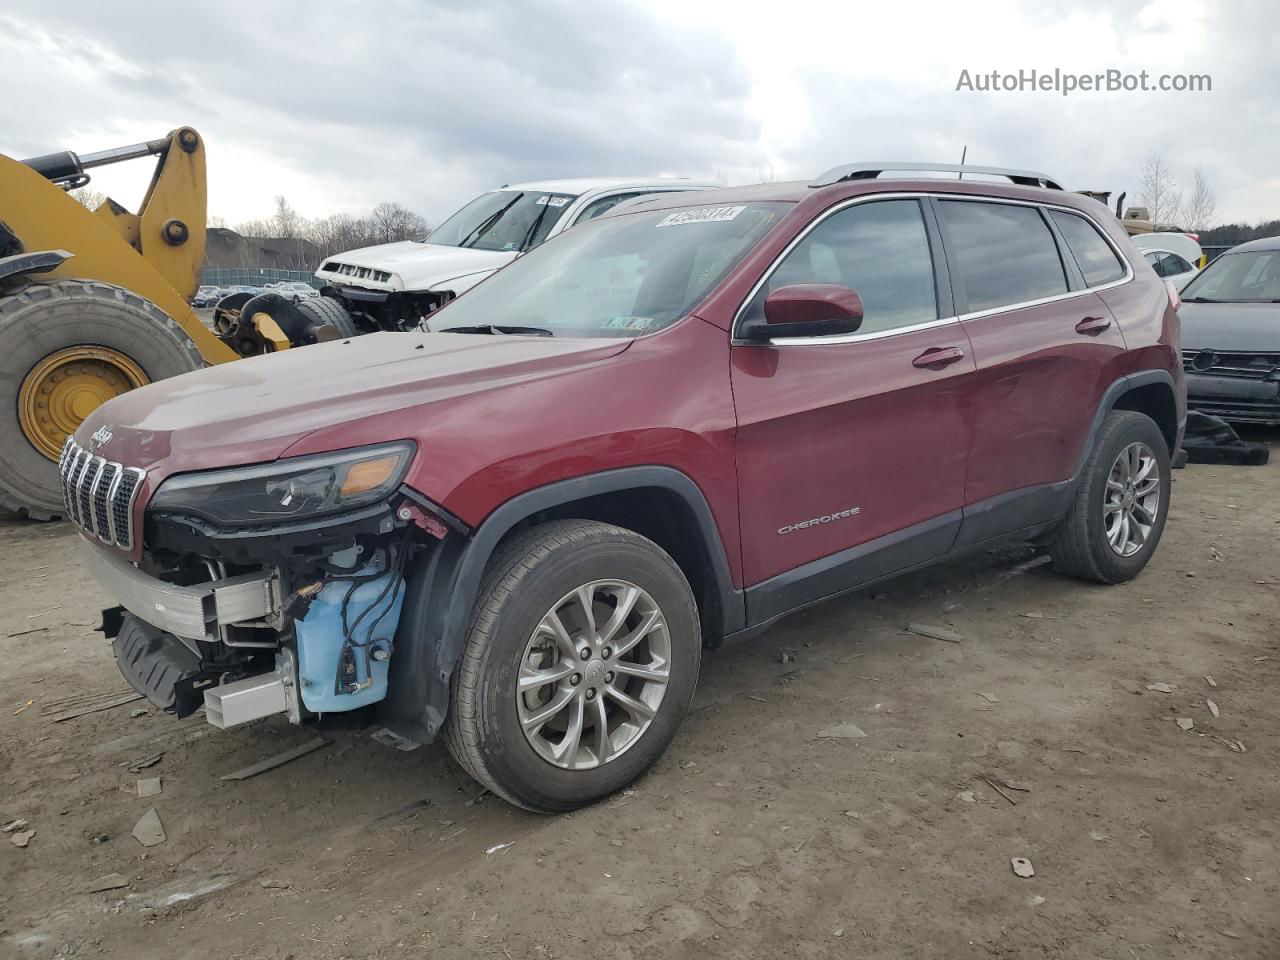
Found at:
<point>156,253</point>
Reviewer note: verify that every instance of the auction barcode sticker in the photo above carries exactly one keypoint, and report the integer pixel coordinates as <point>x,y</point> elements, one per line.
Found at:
<point>701,215</point>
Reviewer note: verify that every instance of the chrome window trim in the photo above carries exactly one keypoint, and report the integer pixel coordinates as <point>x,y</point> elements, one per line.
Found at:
<point>855,337</point>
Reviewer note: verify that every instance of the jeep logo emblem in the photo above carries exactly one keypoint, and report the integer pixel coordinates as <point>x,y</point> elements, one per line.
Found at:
<point>100,436</point>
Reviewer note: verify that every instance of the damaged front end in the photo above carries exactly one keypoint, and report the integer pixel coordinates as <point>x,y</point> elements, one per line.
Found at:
<point>271,589</point>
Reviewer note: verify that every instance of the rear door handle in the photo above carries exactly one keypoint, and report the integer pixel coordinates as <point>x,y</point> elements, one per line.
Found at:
<point>938,357</point>
<point>1092,325</point>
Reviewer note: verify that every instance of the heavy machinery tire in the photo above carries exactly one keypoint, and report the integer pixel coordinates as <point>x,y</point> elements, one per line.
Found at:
<point>540,681</point>
<point>329,310</point>
<point>65,348</point>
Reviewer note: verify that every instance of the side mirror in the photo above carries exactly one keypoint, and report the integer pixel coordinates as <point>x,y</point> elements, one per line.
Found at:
<point>807,310</point>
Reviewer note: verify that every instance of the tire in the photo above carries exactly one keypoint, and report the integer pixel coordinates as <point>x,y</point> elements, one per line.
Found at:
<point>44,318</point>
<point>529,576</point>
<point>328,310</point>
<point>1082,547</point>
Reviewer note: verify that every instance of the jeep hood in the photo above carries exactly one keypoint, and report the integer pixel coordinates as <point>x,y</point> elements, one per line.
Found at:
<point>254,410</point>
<point>1237,327</point>
<point>417,266</point>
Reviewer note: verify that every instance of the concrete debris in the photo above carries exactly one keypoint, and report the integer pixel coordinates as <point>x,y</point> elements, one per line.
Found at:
<point>22,837</point>
<point>1185,723</point>
<point>842,731</point>
<point>149,786</point>
<point>112,881</point>
<point>1022,867</point>
<point>1160,687</point>
<point>966,796</point>
<point>934,633</point>
<point>1213,709</point>
<point>149,831</point>
<point>989,697</point>
<point>13,825</point>
<point>1210,681</point>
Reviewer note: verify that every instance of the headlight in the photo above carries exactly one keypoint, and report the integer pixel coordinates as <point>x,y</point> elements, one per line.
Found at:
<point>295,489</point>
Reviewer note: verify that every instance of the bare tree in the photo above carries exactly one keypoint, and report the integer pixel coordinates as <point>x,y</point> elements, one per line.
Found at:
<point>287,222</point>
<point>91,198</point>
<point>392,222</point>
<point>1198,213</point>
<point>1158,191</point>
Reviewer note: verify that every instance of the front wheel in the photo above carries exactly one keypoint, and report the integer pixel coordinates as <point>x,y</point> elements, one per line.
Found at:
<point>579,667</point>
<point>1121,502</point>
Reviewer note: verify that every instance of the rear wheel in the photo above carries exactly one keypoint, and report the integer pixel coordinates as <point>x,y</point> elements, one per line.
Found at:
<point>1121,502</point>
<point>65,349</point>
<point>579,666</point>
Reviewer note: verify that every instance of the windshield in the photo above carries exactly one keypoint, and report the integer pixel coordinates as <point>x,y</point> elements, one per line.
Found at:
<point>617,276</point>
<point>509,220</point>
<point>1252,277</point>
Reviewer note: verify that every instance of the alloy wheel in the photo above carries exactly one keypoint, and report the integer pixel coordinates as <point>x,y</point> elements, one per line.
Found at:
<point>593,674</point>
<point>1132,500</point>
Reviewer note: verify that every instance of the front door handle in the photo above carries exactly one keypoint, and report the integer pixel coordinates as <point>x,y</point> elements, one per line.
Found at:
<point>1090,326</point>
<point>936,357</point>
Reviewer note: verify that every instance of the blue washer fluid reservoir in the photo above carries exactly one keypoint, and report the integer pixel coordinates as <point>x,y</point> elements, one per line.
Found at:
<point>324,650</point>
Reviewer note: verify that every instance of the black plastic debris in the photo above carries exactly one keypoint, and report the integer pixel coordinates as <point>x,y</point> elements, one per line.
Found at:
<point>1213,440</point>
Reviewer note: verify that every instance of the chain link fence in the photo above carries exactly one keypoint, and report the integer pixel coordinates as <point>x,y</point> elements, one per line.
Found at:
<point>253,276</point>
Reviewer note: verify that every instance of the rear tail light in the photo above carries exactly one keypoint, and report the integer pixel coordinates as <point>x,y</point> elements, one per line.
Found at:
<point>1175,301</point>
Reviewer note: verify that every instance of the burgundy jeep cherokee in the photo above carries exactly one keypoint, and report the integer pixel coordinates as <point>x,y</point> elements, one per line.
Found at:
<point>664,428</point>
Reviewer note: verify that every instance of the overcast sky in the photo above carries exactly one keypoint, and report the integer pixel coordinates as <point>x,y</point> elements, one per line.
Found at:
<point>340,105</point>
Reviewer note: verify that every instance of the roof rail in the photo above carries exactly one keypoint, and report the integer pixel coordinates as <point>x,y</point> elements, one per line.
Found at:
<point>871,171</point>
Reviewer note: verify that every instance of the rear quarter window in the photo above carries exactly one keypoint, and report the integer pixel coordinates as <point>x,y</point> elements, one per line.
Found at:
<point>1097,261</point>
<point>1005,253</point>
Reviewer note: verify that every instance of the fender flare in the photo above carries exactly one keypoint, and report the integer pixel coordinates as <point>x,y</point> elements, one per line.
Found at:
<point>1121,386</point>
<point>444,583</point>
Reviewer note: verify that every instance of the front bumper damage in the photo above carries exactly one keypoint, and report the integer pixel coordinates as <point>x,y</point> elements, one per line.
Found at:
<point>309,630</point>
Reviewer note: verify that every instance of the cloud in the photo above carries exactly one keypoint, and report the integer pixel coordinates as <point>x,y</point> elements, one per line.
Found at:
<point>426,104</point>
<point>341,105</point>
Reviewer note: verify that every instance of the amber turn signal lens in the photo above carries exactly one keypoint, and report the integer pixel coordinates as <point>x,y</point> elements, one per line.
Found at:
<point>369,475</point>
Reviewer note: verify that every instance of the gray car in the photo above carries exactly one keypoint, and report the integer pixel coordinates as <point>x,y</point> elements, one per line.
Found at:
<point>1231,334</point>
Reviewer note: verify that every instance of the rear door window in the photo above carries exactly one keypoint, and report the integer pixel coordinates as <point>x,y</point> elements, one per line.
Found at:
<point>1098,262</point>
<point>1004,253</point>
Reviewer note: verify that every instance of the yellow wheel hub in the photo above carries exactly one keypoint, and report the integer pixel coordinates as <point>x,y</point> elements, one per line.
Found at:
<point>65,387</point>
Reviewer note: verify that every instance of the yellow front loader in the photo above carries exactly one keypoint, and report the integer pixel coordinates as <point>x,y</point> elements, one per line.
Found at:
<point>92,302</point>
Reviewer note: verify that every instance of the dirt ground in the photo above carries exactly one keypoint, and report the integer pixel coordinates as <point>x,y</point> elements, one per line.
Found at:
<point>753,837</point>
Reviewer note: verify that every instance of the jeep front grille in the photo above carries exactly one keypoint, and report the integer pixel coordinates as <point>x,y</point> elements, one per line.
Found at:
<point>99,494</point>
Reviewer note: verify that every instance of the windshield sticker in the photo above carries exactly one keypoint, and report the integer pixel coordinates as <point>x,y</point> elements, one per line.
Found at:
<point>701,215</point>
<point>550,201</point>
<point>629,323</point>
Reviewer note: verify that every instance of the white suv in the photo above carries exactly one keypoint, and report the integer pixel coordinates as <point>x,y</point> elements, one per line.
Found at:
<point>394,286</point>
